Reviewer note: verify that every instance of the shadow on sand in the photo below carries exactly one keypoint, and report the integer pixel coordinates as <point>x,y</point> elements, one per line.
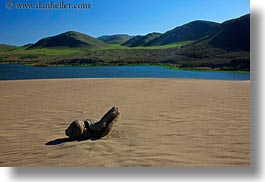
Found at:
<point>59,141</point>
<point>65,140</point>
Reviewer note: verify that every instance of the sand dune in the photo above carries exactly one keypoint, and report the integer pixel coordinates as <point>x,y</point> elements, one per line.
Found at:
<point>164,122</point>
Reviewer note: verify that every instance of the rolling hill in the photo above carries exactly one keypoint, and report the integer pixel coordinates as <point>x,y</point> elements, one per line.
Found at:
<point>5,47</point>
<point>228,45</point>
<point>190,31</point>
<point>232,35</point>
<point>115,39</point>
<point>141,40</point>
<point>69,39</point>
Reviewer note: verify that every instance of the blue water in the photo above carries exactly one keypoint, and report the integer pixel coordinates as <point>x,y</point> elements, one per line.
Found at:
<point>21,72</point>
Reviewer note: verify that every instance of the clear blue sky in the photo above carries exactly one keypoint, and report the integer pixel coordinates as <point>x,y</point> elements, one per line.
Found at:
<point>106,17</point>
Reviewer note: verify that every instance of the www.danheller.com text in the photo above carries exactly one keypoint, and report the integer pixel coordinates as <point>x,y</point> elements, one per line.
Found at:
<point>48,5</point>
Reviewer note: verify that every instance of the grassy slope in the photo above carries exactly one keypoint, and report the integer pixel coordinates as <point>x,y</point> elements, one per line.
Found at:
<point>141,40</point>
<point>116,54</point>
<point>174,45</point>
<point>115,39</point>
<point>20,53</point>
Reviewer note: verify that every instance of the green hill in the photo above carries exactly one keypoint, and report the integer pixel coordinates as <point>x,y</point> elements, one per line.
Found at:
<point>69,39</point>
<point>27,45</point>
<point>141,40</point>
<point>5,47</point>
<point>190,31</point>
<point>232,35</point>
<point>115,39</point>
<point>226,46</point>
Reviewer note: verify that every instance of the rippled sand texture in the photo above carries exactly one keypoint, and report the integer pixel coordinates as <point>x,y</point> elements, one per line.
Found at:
<point>164,122</point>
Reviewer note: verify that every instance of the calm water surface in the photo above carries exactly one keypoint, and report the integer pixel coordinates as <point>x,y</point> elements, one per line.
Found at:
<point>21,72</point>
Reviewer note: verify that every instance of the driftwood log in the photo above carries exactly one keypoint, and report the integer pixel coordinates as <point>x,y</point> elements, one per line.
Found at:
<point>90,129</point>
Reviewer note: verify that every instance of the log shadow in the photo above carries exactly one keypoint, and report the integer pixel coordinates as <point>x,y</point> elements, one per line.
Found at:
<point>59,141</point>
<point>65,140</point>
